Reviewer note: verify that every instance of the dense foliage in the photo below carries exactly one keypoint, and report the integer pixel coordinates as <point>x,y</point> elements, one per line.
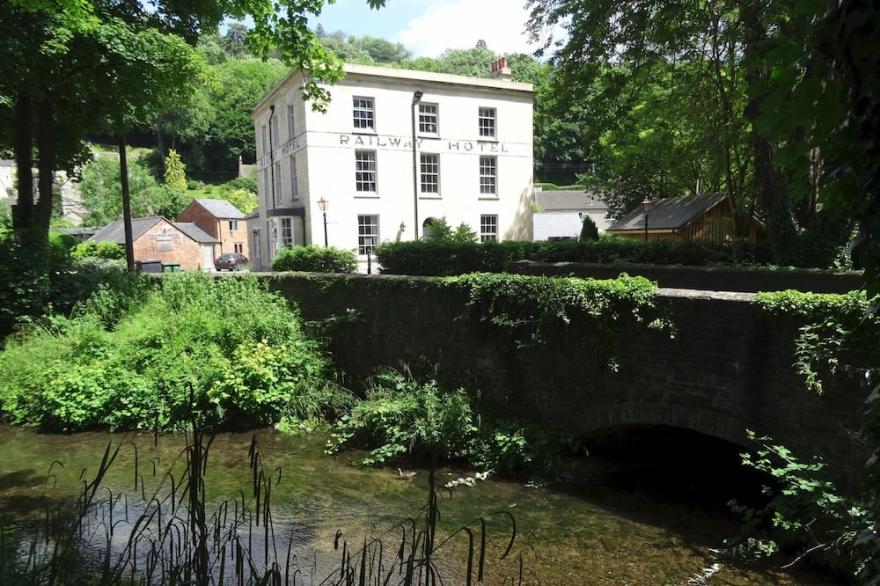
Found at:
<point>403,416</point>
<point>836,341</point>
<point>450,257</point>
<point>104,249</point>
<point>102,193</point>
<point>316,259</point>
<point>738,96</point>
<point>128,361</point>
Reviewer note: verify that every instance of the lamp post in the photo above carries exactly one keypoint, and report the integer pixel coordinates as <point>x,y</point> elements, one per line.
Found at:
<point>646,204</point>
<point>417,97</point>
<point>322,204</point>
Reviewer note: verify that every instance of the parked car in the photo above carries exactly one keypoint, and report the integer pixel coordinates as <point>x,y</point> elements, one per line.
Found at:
<point>231,261</point>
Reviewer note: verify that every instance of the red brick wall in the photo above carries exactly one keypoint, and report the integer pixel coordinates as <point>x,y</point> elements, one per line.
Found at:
<point>218,228</point>
<point>166,243</point>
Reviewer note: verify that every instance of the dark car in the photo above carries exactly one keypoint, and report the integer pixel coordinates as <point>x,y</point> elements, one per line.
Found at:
<point>231,261</point>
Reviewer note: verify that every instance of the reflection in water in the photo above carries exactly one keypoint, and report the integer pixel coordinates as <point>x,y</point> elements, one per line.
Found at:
<point>587,530</point>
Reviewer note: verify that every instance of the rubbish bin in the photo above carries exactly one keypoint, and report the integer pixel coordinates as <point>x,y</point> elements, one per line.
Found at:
<point>173,267</point>
<point>148,266</point>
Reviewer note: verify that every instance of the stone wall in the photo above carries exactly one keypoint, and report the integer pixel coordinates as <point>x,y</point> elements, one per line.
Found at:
<point>728,367</point>
<point>743,279</point>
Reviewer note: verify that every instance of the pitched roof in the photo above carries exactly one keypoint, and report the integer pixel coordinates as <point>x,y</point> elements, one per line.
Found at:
<point>195,232</point>
<point>115,231</point>
<point>569,200</point>
<point>221,208</point>
<point>669,213</point>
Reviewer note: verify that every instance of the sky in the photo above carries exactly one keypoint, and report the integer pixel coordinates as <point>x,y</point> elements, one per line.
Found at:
<point>428,27</point>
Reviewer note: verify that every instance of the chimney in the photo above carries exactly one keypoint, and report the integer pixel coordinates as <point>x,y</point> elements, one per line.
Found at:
<point>500,70</point>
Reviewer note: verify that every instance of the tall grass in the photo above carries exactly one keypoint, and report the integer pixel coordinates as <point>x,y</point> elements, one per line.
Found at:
<point>177,539</point>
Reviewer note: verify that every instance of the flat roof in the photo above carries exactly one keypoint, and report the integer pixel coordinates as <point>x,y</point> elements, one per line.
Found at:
<point>355,71</point>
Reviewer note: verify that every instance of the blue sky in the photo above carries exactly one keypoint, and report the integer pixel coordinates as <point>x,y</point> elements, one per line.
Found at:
<point>427,27</point>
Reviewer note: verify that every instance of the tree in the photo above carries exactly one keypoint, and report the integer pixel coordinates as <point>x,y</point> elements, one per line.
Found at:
<point>102,196</point>
<point>246,201</point>
<point>175,172</point>
<point>234,42</point>
<point>726,86</point>
<point>589,231</point>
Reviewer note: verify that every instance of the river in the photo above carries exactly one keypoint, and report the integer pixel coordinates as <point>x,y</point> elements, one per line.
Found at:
<point>579,531</point>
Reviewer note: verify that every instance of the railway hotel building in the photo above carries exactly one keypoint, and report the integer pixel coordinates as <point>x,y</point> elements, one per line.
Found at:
<point>473,159</point>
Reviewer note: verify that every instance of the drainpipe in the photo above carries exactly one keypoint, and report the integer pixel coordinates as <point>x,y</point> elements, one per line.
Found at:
<point>272,154</point>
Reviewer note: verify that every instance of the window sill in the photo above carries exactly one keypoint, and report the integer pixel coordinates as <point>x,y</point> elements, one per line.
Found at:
<point>487,139</point>
<point>365,131</point>
<point>429,136</point>
<point>430,196</point>
<point>486,197</point>
<point>367,196</point>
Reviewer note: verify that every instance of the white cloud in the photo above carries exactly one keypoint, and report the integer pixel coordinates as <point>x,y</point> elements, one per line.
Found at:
<point>459,24</point>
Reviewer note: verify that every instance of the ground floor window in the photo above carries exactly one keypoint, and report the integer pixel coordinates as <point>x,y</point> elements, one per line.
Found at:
<point>368,233</point>
<point>286,232</point>
<point>488,228</point>
<point>238,247</point>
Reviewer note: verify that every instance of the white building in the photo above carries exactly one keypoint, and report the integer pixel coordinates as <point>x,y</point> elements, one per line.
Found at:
<point>560,214</point>
<point>473,150</point>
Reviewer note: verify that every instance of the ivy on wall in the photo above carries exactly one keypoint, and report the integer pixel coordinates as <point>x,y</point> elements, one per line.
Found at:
<point>529,305</point>
<point>835,332</point>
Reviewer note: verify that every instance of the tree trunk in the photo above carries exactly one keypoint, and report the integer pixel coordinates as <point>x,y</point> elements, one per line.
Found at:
<point>126,203</point>
<point>24,165</point>
<point>770,192</point>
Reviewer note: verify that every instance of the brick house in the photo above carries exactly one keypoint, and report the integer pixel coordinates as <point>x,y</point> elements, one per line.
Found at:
<point>156,238</point>
<point>222,220</point>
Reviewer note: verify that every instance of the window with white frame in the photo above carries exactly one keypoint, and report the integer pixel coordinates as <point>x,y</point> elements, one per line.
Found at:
<point>368,233</point>
<point>488,228</point>
<point>488,175</point>
<point>487,122</point>
<point>265,139</point>
<point>276,137</point>
<point>294,181</point>
<point>429,118</point>
<point>286,232</point>
<point>233,225</point>
<point>291,122</point>
<point>364,112</point>
<point>365,171</point>
<point>279,189</point>
<point>430,177</point>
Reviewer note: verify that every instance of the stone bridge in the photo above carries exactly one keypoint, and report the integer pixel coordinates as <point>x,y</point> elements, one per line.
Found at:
<point>728,368</point>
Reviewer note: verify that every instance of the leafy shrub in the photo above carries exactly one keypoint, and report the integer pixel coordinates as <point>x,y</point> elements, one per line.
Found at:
<point>402,416</point>
<point>589,230</point>
<point>90,248</point>
<point>446,257</point>
<point>244,183</point>
<point>315,259</point>
<point>227,348</point>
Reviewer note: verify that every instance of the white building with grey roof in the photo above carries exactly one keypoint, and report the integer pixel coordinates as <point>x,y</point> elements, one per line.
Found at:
<point>559,215</point>
<point>394,150</point>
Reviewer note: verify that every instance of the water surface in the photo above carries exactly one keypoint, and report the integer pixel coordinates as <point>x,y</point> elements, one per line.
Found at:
<point>584,532</point>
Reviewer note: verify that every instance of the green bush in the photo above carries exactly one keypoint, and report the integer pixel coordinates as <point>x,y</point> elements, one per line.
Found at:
<point>447,257</point>
<point>402,416</point>
<point>589,230</point>
<point>315,259</point>
<point>226,349</point>
<point>244,183</point>
<point>91,248</point>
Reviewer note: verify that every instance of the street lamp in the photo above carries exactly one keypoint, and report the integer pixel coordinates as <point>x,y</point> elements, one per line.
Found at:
<point>646,205</point>
<point>417,97</point>
<point>322,204</point>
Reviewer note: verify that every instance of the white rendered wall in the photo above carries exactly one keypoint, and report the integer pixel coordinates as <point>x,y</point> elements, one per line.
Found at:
<point>565,224</point>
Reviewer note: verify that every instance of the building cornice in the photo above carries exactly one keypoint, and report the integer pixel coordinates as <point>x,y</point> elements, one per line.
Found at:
<point>354,72</point>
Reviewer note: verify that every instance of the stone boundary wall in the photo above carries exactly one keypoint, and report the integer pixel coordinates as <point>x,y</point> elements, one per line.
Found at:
<point>728,367</point>
<point>704,278</point>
